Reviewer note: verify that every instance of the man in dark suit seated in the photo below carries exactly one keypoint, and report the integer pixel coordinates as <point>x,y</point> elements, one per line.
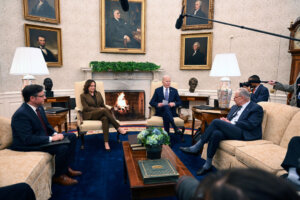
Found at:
<point>32,132</point>
<point>258,91</point>
<point>242,123</point>
<point>165,100</point>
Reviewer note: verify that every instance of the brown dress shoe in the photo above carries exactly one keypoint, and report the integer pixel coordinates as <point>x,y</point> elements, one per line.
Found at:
<point>64,180</point>
<point>73,173</point>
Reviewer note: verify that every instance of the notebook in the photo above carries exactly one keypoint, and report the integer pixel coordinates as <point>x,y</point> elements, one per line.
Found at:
<point>55,110</point>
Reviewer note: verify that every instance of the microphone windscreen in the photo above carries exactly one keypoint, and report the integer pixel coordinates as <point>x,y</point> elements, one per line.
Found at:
<point>179,22</point>
<point>124,5</point>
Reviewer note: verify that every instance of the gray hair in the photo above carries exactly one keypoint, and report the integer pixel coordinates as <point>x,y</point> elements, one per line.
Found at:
<point>243,92</point>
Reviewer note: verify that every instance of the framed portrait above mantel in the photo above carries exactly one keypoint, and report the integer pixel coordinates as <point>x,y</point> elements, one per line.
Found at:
<point>48,39</point>
<point>122,32</point>
<point>196,51</point>
<point>42,10</point>
<point>198,8</point>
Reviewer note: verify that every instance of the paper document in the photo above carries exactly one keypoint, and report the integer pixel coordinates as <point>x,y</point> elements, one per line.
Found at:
<point>165,102</point>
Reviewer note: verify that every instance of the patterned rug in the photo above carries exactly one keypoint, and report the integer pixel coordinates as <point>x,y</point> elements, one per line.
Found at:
<point>132,128</point>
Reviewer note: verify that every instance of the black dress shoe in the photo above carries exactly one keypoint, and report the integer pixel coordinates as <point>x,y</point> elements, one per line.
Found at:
<point>203,171</point>
<point>178,132</point>
<point>188,150</point>
<point>108,150</point>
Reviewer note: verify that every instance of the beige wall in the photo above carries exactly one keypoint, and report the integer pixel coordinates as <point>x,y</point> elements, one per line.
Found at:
<point>257,53</point>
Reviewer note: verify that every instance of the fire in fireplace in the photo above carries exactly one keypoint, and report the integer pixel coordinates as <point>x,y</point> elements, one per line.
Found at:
<point>127,105</point>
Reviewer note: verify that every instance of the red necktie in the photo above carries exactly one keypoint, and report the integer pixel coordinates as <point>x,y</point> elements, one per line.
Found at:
<point>253,91</point>
<point>41,119</point>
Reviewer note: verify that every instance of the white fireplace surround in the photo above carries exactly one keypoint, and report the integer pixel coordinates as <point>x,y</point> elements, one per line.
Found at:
<point>126,81</point>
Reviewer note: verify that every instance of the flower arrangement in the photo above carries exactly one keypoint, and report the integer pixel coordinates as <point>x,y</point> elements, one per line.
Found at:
<point>153,136</point>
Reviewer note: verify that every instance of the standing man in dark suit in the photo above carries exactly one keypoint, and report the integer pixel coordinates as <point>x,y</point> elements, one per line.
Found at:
<point>242,123</point>
<point>165,100</point>
<point>32,132</point>
<point>258,92</point>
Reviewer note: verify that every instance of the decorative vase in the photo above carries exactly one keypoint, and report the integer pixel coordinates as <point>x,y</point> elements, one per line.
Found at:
<point>153,151</point>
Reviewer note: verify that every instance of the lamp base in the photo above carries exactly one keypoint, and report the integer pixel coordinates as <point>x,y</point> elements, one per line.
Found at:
<point>28,80</point>
<point>224,92</point>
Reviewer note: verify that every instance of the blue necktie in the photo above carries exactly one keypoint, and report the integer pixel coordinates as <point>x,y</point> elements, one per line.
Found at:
<point>167,94</point>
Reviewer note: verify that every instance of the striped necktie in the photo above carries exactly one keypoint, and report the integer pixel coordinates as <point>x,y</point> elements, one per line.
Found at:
<point>167,94</point>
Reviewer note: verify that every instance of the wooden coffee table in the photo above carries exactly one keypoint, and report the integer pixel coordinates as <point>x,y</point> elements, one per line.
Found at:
<point>139,190</point>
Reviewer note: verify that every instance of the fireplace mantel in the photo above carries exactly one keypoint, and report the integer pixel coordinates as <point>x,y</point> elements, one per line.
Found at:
<point>134,75</point>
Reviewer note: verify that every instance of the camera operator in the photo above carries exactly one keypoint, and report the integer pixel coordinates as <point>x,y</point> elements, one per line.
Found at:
<point>257,90</point>
<point>294,88</point>
<point>236,184</point>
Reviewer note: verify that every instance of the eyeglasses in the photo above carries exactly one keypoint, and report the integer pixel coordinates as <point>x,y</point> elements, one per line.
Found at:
<point>236,97</point>
<point>40,96</point>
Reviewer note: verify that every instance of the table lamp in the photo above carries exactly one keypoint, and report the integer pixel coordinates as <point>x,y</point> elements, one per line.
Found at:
<point>225,65</point>
<point>28,61</point>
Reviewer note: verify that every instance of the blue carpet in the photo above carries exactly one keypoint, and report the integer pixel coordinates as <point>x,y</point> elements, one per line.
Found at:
<point>103,172</point>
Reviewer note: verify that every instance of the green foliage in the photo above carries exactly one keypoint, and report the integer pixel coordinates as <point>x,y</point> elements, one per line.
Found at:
<point>102,66</point>
<point>153,136</point>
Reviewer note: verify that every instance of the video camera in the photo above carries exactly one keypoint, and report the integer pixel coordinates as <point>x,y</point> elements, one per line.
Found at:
<point>248,84</point>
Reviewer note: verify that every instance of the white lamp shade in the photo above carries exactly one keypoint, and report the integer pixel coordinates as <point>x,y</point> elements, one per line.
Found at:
<point>225,65</point>
<point>28,60</point>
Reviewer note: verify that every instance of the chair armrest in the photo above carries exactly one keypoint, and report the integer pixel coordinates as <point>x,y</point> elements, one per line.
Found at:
<point>150,107</point>
<point>79,116</point>
<point>179,110</point>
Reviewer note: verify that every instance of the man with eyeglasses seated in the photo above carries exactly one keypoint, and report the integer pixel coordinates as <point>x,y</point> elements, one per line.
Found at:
<point>243,122</point>
<point>32,132</point>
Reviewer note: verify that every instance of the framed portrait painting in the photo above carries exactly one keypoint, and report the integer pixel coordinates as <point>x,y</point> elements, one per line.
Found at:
<point>198,8</point>
<point>48,39</point>
<point>196,50</point>
<point>122,32</point>
<point>42,10</point>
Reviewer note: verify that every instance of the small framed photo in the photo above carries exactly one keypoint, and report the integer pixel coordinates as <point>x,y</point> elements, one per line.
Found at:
<point>42,10</point>
<point>196,50</point>
<point>198,8</point>
<point>122,32</point>
<point>48,39</point>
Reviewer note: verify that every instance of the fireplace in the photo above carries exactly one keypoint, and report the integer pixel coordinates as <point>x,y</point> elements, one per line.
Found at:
<point>128,105</point>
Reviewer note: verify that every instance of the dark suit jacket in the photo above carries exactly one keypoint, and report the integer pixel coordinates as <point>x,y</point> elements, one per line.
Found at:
<point>49,57</point>
<point>158,97</point>
<point>261,94</point>
<point>28,132</point>
<point>89,104</point>
<point>249,121</point>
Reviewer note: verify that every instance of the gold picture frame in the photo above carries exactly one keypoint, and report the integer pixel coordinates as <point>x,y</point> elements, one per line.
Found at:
<point>47,37</point>
<point>206,10</point>
<point>196,51</point>
<point>122,32</point>
<point>48,11</point>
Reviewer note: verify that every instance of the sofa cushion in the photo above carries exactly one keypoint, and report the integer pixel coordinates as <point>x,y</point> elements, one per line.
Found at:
<point>5,133</point>
<point>19,167</point>
<point>279,116</point>
<point>267,156</point>
<point>230,145</point>
<point>157,121</point>
<point>292,130</point>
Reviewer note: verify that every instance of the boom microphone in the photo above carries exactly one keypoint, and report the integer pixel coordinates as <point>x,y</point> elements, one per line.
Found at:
<point>180,19</point>
<point>124,5</point>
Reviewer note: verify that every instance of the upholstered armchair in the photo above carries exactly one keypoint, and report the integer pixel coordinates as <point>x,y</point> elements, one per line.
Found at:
<point>157,120</point>
<point>83,126</point>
